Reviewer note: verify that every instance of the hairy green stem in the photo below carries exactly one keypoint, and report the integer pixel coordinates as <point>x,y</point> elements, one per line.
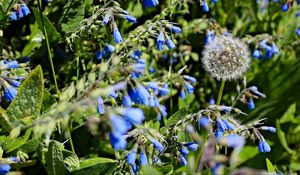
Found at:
<point>48,48</point>
<point>70,139</point>
<point>221,92</point>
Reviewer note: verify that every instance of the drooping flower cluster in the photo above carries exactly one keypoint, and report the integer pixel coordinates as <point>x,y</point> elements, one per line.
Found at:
<point>20,11</point>
<point>8,81</point>
<point>5,164</point>
<point>163,37</point>
<point>268,47</point>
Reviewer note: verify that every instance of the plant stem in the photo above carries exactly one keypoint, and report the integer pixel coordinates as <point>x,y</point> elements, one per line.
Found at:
<point>48,48</point>
<point>221,92</point>
<point>71,141</point>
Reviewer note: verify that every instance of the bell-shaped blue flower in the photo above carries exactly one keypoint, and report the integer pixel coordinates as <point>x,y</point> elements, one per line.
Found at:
<point>131,18</point>
<point>157,145</point>
<point>175,29</point>
<point>268,128</point>
<point>209,37</point>
<point>189,88</point>
<point>131,157</point>
<point>150,3</point>
<point>143,158</point>
<point>160,41</point>
<point>183,161</point>
<point>204,122</point>
<point>285,7</point>
<point>139,95</point>
<point>119,124</point>
<point>127,101</point>
<point>118,141</point>
<point>170,43</point>
<point>205,7</point>
<point>106,18</point>
<point>251,104</point>
<point>13,16</point>
<point>184,151</point>
<point>100,105</point>
<point>263,147</point>
<point>229,125</point>
<point>133,115</point>
<point>218,133</point>
<point>117,36</point>
<point>257,54</point>
<point>25,10</point>
<point>192,146</point>
<point>298,31</point>
<point>4,168</point>
<point>190,78</point>
<point>10,92</point>
<point>221,125</point>
<point>182,94</point>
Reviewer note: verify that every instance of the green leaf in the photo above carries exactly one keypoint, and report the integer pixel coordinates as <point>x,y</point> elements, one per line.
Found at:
<point>270,166</point>
<point>178,115</point>
<point>95,166</point>
<point>71,160</point>
<point>14,143</point>
<point>48,100</point>
<point>35,40</point>
<point>55,160</point>
<point>73,15</point>
<point>150,170</point>
<point>29,147</point>
<point>5,121</point>
<point>281,137</point>
<point>52,33</point>
<point>28,101</point>
<point>289,115</point>
<point>247,153</point>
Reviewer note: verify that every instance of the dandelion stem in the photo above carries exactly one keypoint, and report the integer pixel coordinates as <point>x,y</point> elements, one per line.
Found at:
<point>221,92</point>
<point>71,141</point>
<point>48,48</point>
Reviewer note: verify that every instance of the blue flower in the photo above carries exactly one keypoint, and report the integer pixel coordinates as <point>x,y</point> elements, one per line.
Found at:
<point>152,85</point>
<point>135,168</point>
<point>131,157</point>
<point>113,94</point>
<point>275,49</point>
<point>170,43</point>
<point>157,145</point>
<point>25,10</point>
<point>209,37</point>
<point>150,3</point>
<point>163,91</point>
<point>110,48</point>
<point>117,36</point>
<point>190,78</point>
<point>119,124</point>
<point>182,94</point>
<point>143,158</point>
<point>15,83</point>
<point>189,88</point>
<point>131,18</point>
<point>13,16</point>
<point>229,125</point>
<point>192,146</point>
<point>12,65</point>
<point>221,125</point>
<point>133,115</point>
<point>212,101</point>
<point>136,54</point>
<point>269,128</point>
<point>160,41</point>
<point>100,105</point>
<point>118,141</point>
<point>204,122</point>
<point>257,54</point>
<point>263,147</point>
<point>298,31</point>
<point>10,92</point>
<point>255,90</point>
<point>175,29</point>
<point>233,141</point>
<point>183,161</point>
<point>4,168</point>
<point>106,19</point>
<point>285,7</point>
<point>127,101</point>
<point>214,1</point>
<point>99,55</point>
<point>218,133</point>
<point>264,45</point>
<point>184,151</point>
<point>205,7</point>
<point>217,169</point>
<point>15,159</point>
<point>251,104</point>
<point>139,95</point>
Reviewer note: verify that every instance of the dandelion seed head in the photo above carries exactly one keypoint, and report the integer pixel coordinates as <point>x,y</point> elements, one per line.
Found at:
<point>226,58</point>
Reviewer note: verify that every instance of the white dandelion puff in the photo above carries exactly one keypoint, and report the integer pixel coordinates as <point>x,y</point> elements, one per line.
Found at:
<point>226,58</point>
